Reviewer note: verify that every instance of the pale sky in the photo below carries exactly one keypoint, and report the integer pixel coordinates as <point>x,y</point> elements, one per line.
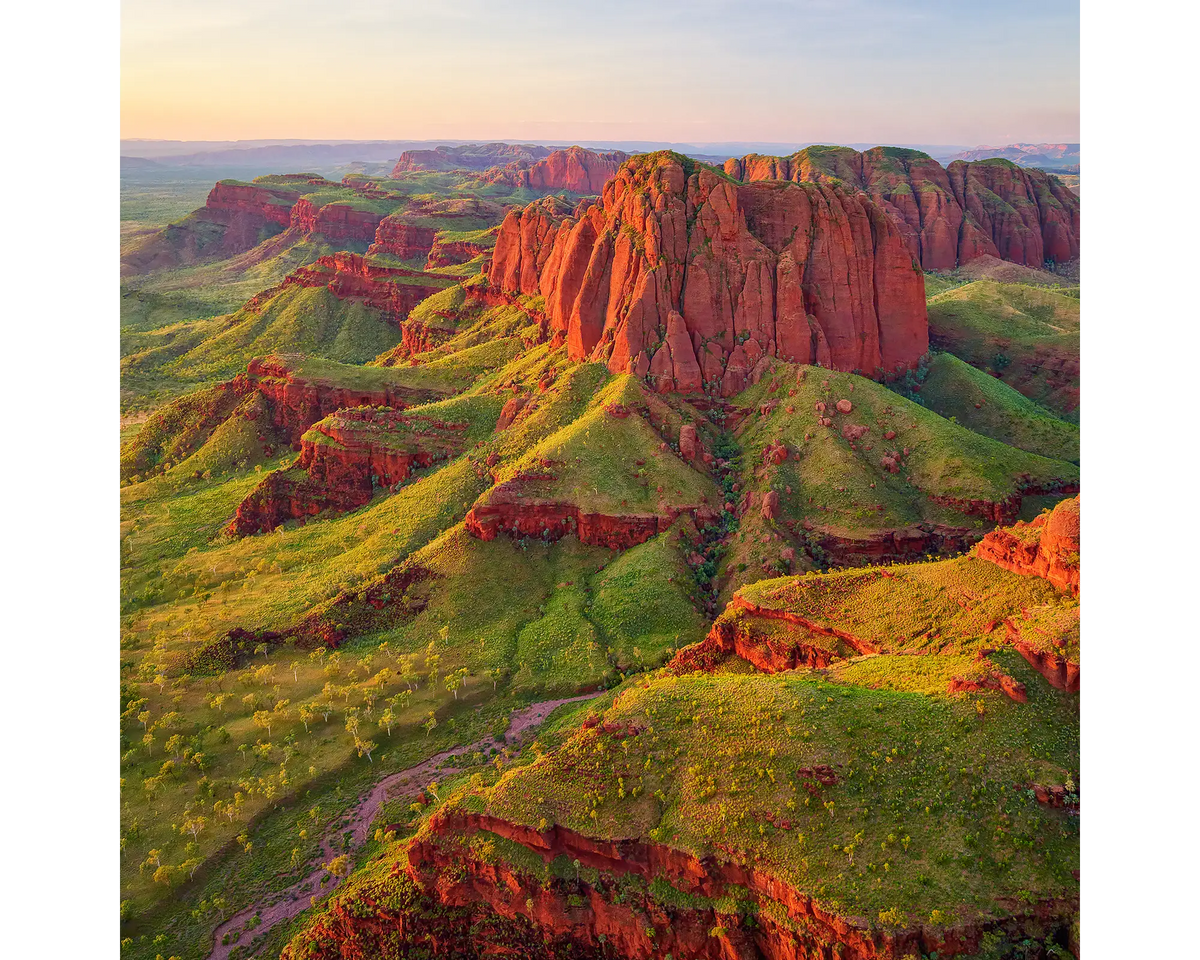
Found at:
<point>849,71</point>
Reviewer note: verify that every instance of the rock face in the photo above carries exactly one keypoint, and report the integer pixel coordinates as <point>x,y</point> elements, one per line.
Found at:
<point>471,156</point>
<point>336,221</point>
<point>235,218</point>
<point>514,508</point>
<point>575,169</point>
<point>804,644</point>
<point>614,919</point>
<point>345,458</point>
<point>406,241</point>
<point>1047,547</point>
<point>297,402</point>
<point>947,215</point>
<point>392,290</point>
<point>685,277</point>
<point>254,203</point>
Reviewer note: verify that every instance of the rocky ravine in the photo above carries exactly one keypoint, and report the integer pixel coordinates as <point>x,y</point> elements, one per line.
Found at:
<point>409,782</point>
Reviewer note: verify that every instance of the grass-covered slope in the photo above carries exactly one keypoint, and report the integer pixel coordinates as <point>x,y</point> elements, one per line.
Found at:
<point>923,818</point>
<point>848,483</point>
<point>310,320</point>
<point>269,681</point>
<point>1027,335</point>
<point>611,460</point>
<point>986,405</point>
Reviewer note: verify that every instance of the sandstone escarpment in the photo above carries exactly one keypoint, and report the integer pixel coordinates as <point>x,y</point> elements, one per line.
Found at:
<point>683,276</point>
<point>515,508</point>
<point>403,240</point>
<point>298,400</point>
<point>471,156</point>
<point>252,202</point>
<point>1047,547</point>
<point>392,290</point>
<point>628,921</point>
<point>947,215</point>
<point>575,170</point>
<point>335,221</point>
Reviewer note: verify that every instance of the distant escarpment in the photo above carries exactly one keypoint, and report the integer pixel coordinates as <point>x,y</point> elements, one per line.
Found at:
<point>575,170</point>
<point>471,156</point>
<point>683,276</point>
<point>947,215</point>
<point>236,217</point>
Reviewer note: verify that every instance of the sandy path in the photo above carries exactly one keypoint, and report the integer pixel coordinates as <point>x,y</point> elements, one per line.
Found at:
<point>296,898</point>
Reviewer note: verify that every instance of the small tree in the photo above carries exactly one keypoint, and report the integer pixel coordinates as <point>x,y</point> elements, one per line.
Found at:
<point>430,723</point>
<point>365,748</point>
<point>386,720</point>
<point>307,715</point>
<point>264,719</point>
<point>294,666</point>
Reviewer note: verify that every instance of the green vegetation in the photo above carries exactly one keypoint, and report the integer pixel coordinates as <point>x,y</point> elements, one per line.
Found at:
<point>268,681</point>
<point>923,816</point>
<point>852,480</point>
<point>988,406</point>
<point>1027,335</point>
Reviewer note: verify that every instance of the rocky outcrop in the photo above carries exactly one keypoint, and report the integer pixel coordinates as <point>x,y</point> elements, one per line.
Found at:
<point>625,920</point>
<point>1047,547</point>
<point>470,156</point>
<point>344,459</point>
<point>404,240</point>
<point>947,215</point>
<point>575,170</point>
<point>335,221</point>
<point>392,290</point>
<point>368,447</point>
<point>991,679</point>
<point>230,200</point>
<point>298,401</point>
<point>289,495</point>
<point>445,253</point>
<point>509,509</point>
<point>787,643</point>
<point>683,276</point>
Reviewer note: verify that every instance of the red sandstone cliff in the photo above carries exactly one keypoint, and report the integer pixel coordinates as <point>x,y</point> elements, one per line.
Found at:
<point>298,401</point>
<point>469,156</point>
<point>393,290</point>
<point>947,215</point>
<point>1047,547</point>
<point>336,221</point>
<point>683,275</point>
<point>403,240</point>
<point>574,169</point>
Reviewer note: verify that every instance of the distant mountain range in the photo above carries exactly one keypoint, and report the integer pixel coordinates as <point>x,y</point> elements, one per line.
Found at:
<point>250,158</point>
<point>1047,156</point>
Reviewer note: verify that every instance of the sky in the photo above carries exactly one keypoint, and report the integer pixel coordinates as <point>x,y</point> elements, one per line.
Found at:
<point>688,71</point>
